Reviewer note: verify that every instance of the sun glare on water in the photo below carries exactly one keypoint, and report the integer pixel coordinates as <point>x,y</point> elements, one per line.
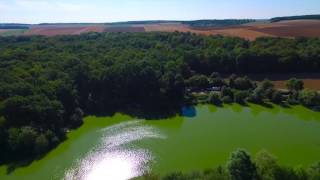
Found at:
<point>117,166</point>
<point>113,159</point>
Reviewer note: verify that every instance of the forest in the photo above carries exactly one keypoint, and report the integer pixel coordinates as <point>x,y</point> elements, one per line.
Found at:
<point>217,23</point>
<point>48,84</point>
<point>242,166</point>
<point>309,17</point>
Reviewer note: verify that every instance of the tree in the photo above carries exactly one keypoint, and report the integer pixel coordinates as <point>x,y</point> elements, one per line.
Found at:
<point>226,91</point>
<point>267,87</point>
<point>267,84</point>
<point>214,99</point>
<point>22,140</point>
<point>241,167</point>
<point>309,98</point>
<point>314,171</point>
<point>294,84</point>
<point>41,144</point>
<point>267,165</point>
<point>198,81</point>
<point>243,83</point>
<point>227,99</point>
<point>277,97</point>
<point>256,96</point>
<point>240,97</point>
<point>76,118</point>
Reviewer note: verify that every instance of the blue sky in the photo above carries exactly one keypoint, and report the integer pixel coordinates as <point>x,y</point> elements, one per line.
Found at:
<point>38,11</point>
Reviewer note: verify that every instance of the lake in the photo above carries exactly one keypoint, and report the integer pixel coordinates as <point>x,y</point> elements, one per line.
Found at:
<point>121,147</point>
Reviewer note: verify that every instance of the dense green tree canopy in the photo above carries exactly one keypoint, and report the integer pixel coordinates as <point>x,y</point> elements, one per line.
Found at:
<point>48,83</point>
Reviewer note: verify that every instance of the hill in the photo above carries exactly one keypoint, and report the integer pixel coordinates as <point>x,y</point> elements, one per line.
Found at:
<point>304,17</point>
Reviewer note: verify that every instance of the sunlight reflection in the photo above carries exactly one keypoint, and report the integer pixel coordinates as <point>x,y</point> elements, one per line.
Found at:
<point>113,159</point>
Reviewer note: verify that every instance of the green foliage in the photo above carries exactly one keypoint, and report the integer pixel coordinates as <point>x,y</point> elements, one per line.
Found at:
<point>227,100</point>
<point>267,165</point>
<point>21,140</point>
<point>217,23</point>
<point>243,83</point>
<point>226,91</point>
<point>309,98</point>
<point>41,144</point>
<point>314,171</point>
<point>240,96</point>
<point>277,19</point>
<point>214,98</point>
<point>295,84</point>
<point>241,167</point>
<point>257,96</point>
<point>198,81</point>
<point>277,97</point>
<point>47,84</point>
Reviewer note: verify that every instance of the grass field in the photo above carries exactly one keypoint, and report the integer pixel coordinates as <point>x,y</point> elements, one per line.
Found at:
<point>12,32</point>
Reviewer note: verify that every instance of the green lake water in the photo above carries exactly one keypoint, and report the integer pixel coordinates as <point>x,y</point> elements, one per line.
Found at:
<point>122,147</point>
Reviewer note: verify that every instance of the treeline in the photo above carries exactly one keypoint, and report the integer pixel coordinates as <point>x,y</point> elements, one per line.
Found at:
<point>217,23</point>
<point>242,90</point>
<point>241,166</point>
<point>14,26</point>
<point>48,84</point>
<point>304,17</point>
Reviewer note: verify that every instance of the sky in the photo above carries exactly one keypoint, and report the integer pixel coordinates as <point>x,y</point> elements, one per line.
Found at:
<point>51,11</point>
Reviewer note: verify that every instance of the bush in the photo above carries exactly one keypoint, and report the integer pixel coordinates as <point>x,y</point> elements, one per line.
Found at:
<point>277,97</point>
<point>225,91</point>
<point>243,83</point>
<point>21,140</point>
<point>267,165</point>
<point>227,100</point>
<point>309,98</point>
<point>241,167</point>
<point>198,81</point>
<point>240,97</point>
<point>314,171</point>
<point>41,144</point>
<point>214,99</point>
<point>256,96</point>
<point>294,84</point>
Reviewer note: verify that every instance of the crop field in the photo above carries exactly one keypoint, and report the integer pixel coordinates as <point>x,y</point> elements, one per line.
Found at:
<point>295,28</point>
<point>124,29</point>
<point>250,31</point>
<point>63,30</point>
<point>12,32</point>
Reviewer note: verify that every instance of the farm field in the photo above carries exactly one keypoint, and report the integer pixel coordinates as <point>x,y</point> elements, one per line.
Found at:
<point>63,30</point>
<point>295,28</point>
<point>12,32</point>
<point>311,80</point>
<point>250,31</point>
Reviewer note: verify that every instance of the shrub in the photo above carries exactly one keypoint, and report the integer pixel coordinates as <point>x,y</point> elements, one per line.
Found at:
<point>214,99</point>
<point>241,167</point>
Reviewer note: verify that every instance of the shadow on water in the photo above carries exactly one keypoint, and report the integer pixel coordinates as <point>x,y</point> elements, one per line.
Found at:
<point>13,164</point>
<point>189,111</point>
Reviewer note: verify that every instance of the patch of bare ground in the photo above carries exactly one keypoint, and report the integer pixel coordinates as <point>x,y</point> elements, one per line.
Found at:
<point>235,31</point>
<point>295,28</point>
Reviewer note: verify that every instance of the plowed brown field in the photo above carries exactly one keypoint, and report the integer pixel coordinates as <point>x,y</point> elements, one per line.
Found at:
<point>305,28</point>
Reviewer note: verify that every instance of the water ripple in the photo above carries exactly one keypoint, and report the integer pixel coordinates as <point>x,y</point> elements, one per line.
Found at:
<point>112,159</point>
